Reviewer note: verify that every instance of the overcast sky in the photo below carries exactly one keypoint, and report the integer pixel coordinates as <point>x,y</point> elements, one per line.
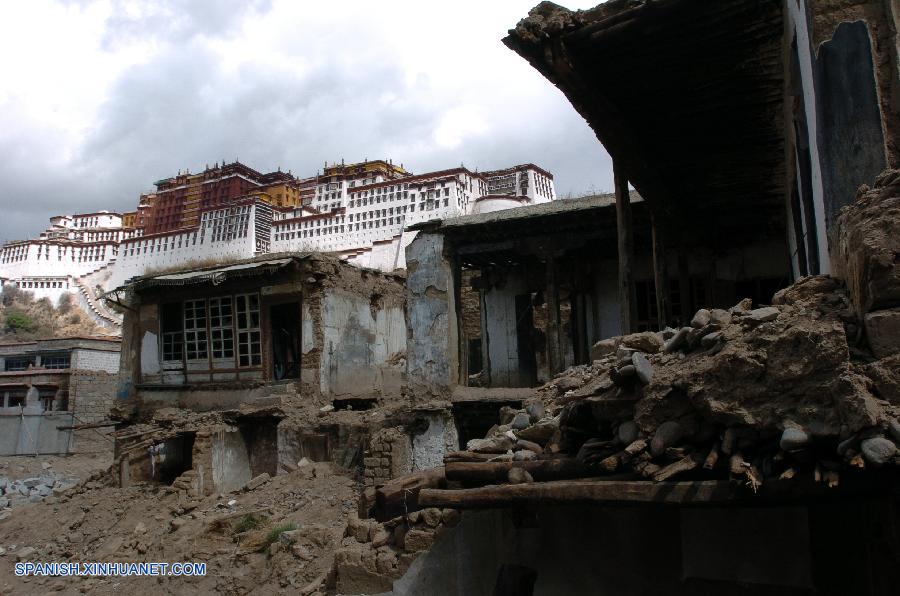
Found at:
<point>99,99</point>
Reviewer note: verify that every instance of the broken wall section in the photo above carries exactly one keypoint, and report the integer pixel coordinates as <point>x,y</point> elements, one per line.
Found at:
<point>418,445</point>
<point>354,332</point>
<point>432,333</point>
<point>866,259</point>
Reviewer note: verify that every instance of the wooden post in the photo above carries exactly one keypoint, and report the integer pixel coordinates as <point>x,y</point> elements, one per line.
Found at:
<point>626,250</point>
<point>462,349</point>
<point>485,357</point>
<point>660,275</point>
<point>554,355</point>
<point>684,286</point>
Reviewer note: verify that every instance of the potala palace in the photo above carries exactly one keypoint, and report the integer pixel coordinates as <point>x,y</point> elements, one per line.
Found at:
<point>361,211</point>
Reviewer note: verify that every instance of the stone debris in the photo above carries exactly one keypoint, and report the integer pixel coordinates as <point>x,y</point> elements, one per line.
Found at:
<point>746,395</point>
<point>35,489</point>
<point>762,382</point>
<point>701,319</point>
<point>258,481</point>
<point>642,368</point>
<point>878,450</point>
<point>762,315</point>
<point>794,438</point>
<point>372,560</point>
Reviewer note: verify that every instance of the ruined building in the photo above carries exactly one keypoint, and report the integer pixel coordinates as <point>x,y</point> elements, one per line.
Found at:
<point>689,388</point>
<point>742,436</point>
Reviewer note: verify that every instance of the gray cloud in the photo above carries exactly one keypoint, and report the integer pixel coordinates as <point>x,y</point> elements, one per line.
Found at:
<point>185,108</point>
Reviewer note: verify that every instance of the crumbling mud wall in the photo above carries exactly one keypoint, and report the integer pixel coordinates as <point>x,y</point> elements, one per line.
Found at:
<point>230,461</point>
<point>420,444</point>
<point>389,455</point>
<point>432,341</point>
<point>867,259</point>
<point>354,332</point>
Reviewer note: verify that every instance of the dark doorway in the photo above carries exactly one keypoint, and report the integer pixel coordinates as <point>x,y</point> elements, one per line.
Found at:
<point>475,418</point>
<point>525,340</point>
<point>175,458</point>
<point>261,438</point>
<point>476,358</point>
<point>285,322</point>
<point>515,580</point>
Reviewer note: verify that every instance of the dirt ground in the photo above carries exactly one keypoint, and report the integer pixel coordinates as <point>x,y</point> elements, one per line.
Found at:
<point>278,537</point>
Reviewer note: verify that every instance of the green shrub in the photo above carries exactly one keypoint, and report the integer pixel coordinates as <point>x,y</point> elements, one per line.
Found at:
<point>276,532</point>
<point>17,321</point>
<point>251,521</point>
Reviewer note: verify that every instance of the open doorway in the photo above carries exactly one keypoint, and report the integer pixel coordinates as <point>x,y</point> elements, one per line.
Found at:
<point>475,418</point>
<point>175,457</point>
<point>285,322</point>
<point>261,439</point>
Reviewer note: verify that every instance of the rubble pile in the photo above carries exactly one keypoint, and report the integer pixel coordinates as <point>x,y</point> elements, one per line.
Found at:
<point>868,245</point>
<point>373,555</point>
<point>278,534</point>
<point>753,393</point>
<point>34,489</point>
<point>748,394</point>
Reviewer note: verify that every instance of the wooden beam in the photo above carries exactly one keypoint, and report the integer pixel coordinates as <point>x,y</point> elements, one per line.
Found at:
<point>684,287</point>
<point>563,492</point>
<point>660,274</point>
<point>625,250</point>
<point>399,496</point>
<point>540,469</point>
<point>90,425</point>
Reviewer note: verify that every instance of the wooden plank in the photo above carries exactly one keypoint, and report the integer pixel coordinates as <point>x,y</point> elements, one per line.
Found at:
<point>86,426</point>
<point>625,235</point>
<point>540,469</point>
<point>468,456</point>
<point>564,492</point>
<point>684,287</point>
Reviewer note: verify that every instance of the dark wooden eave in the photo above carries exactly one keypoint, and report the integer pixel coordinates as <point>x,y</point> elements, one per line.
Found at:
<point>687,96</point>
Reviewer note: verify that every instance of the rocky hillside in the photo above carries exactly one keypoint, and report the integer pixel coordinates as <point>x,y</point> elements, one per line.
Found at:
<point>22,318</point>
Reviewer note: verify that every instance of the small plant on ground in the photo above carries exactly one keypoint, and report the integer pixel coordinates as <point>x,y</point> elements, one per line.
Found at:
<point>276,532</point>
<point>249,522</point>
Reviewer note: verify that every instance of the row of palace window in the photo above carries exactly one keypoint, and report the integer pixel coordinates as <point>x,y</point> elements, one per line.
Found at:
<point>206,329</point>
<point>34,285</point>
<point>59,360</point>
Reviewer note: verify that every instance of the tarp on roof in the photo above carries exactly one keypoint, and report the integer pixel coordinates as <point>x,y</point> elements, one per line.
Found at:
<point>215,276</point>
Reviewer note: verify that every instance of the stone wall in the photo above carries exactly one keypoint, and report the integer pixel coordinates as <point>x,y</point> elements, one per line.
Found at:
<point>389,454</point>
<point>97,360</point>
<point>91,396</point>
<point>421,445</point>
